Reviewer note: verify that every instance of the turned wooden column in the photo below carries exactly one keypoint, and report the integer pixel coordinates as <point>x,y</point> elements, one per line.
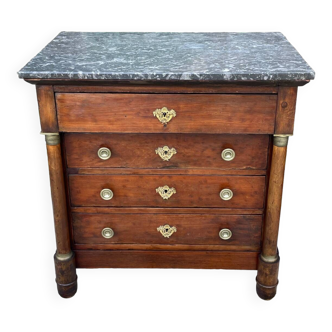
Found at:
<point>268,263</point>
<point>64,258</point>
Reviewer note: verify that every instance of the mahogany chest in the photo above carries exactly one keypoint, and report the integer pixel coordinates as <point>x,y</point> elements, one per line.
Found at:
<point>167,150</point>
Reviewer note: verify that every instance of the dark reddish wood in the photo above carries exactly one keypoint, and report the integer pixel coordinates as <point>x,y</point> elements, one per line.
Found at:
<point>65,269</point>
<point>285,114</point>
<point>66,277</point>
<point>47,109</point>
<point>163,171</point>
<point>175,88</point>
<point>197,113</point>
<point>190,229</point>
<point>193,151</point>
<point>58,199</point>
<point>174,247</point>
<point>130,210</point>
<point>166,259</point>
<point>267,178</point>
<point>66,182</point>
<point>273,205</point>
<point>267,279</point>
<point>192,191</point>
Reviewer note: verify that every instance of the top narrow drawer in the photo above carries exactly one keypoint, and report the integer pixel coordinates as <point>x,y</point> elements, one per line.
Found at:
<point>194,113</point>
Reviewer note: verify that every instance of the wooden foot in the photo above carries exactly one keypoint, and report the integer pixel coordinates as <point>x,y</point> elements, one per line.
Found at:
<point>267,278</point>
<point>66,277</point>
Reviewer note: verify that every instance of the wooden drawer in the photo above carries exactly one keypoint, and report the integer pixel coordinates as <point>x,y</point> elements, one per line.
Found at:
<point>192,151</point>
<point>194,229</point>
<point>195,113</point>
<point>191,191</point>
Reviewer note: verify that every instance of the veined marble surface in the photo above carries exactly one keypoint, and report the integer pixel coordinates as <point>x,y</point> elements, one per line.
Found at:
<point>169,56</point>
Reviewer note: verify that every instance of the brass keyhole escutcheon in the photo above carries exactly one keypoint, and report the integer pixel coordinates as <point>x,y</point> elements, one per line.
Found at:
<point>165,192</point>
<point>164,115</point>
<point>165,153</point>
<point>166,230</point>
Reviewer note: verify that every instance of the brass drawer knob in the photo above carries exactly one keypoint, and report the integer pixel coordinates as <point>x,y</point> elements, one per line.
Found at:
<point>166,230</point>
<point>107,233</point>
<point>165,192</point>
<point>104,153</point>
<point>228,154</point>
<point>106,194</point>
<point>225,234</point>
<point>226,194</point>
<point>164,115</point>
<point>165,153</point>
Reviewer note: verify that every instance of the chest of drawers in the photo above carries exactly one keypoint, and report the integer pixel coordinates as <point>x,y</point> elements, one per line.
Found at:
<point>167,150</point>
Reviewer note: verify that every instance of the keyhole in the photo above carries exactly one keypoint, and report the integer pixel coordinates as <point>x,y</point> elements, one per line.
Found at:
<point>164,114</point>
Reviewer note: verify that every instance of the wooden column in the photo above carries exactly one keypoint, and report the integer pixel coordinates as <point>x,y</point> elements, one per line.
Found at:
<point>64,258</point>
<point>268,264</point>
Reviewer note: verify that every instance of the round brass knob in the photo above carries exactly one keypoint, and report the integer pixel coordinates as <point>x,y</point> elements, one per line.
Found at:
<point>228,154</point>
<point>225,234</point>
<point>226,194</point>
<point>107,233</point>
<point>104,153</point>
<point>106,194</point>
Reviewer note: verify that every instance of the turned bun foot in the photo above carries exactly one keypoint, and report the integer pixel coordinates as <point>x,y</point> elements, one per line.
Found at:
<point>66,277</point>
<point>267,278</point>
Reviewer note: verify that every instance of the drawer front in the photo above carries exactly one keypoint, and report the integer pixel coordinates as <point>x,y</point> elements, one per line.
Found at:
<point>192,113</point>
<point>167,151</point>
<point>191,191</point>
<point>196,229</point>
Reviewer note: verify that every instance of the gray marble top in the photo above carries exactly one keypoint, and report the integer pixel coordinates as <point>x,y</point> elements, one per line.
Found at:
<point>169,56</point>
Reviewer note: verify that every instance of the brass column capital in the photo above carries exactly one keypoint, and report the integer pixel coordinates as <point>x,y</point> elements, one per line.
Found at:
<point>51,138</point>
<point>280,140</point>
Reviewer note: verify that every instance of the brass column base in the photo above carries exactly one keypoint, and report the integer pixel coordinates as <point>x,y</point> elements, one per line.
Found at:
<point>66,277</point>
<point>267,278</point>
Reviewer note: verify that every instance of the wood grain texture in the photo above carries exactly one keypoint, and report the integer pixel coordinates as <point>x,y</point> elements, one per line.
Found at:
<point>58,199</point>
<point>163,247</point>
<point>164,171</point>
<point>193,151</point>
<point>188,210</point>
<point>47,109</point>
<point>166,259</point>
<point>167,88</point>
<point>192,191</point>
<point>267,279</point>
<point>66,277</point>
<point>66,181</point>
<point>133,113</point>
<point>273,204</point>
<point>190,229</point>
<point>285,114</point>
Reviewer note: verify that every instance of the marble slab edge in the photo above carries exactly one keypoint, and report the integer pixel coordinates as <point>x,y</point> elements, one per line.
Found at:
<point>110,82</point>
